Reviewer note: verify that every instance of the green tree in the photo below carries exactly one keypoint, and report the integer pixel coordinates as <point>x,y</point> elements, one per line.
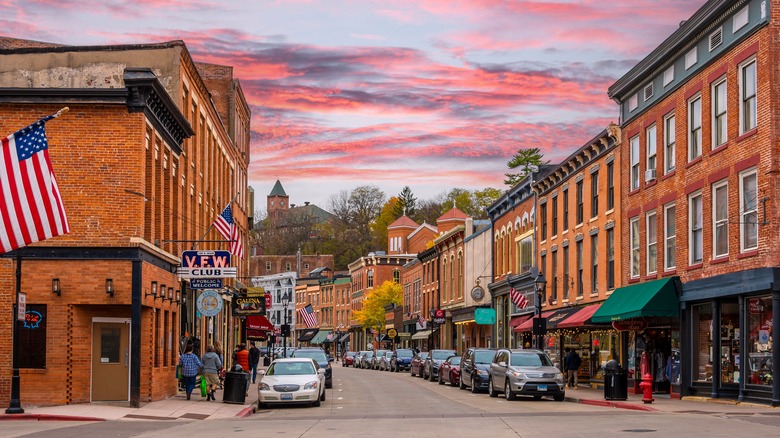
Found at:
<point>373,312</point>
<point>407,203</point>
<point>527,161</point>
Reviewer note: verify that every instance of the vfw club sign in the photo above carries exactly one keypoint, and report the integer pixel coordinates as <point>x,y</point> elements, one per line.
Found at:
<point>206,264</point>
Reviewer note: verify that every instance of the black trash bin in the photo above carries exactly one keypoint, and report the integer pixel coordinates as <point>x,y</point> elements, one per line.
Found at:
<point>615,381</point>
<point>235,387</point>
<point>266,361</point>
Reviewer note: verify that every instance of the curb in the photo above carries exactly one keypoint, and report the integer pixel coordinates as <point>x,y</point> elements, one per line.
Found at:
<point>247,411</point>
<point>47,417</point>
<point>613,404</point>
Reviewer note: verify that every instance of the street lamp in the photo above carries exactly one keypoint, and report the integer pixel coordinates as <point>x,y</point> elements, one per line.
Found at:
<point>539,284</point>
<point>286,325</point>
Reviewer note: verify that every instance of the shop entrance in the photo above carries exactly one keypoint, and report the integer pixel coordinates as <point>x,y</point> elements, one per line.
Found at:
<point>657,343</point>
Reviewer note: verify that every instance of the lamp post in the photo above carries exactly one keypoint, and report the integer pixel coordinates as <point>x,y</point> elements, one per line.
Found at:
<point>286,325</point>
<point>539,284</point>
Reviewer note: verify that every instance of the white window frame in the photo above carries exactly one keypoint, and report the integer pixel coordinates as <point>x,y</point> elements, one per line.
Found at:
<point>670,143</point>
<point>751,101</point>
<point>633,232</point>
<point>634,156</point>
<point>668,75</point>
<point>633,102</point>
<point>691,58</point>
<point>670,240</point>
<point>651,242</point>
<point>720,120</point>
<point>695,227</point>
<point>694,128</point>
<point>741,19</point>
<point>651,146</point>
<point>744,214</point>
<point>718,222</point>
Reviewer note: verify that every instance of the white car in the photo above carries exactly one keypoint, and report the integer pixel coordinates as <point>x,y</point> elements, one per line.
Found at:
<point>293,380</point>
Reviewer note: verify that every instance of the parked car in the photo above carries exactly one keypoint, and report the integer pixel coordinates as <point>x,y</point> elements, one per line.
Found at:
<point>525,372</point>
<point>348,359</point>
<point>377,357</point>
<point>359,359</point>
<point>449,371</point>
<point>417,364</point>
<point>475,368</point>
<point>322,359</point>
<point>280,352</point>
<point>294,380</point>
<point>384,361</point>
<point>434,361</point>
<point>367,360</point>
<point>401,359</point>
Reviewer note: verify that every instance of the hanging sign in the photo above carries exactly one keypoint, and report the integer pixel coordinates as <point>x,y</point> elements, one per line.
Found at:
<point>206,283</point>
<point>206,264</point>
<point>21,307</point>
<point>210,303</point>
<point>629,325</point>
<point>439,316</point>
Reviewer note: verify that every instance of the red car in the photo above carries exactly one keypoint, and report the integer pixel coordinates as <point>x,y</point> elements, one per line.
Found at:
<point>416,366</point>
<point>450,371</point>
<point>348,359</point>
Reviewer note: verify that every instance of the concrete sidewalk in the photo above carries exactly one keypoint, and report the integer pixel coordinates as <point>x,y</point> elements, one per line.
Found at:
<point>174,408</point>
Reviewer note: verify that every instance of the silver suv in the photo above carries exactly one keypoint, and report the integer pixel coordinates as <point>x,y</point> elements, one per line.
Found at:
<point>525,372</point>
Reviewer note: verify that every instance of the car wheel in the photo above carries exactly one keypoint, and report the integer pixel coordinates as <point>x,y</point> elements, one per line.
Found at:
<point>474,389</point>
<point>433,379</point>
<point>322,397</point>
<point>559,397</point>
<point>261,405</point>
<point>441,379</point>
<point>317,403</point>
<point>329,385</point>
<point>461,385</point>
<point>491,392</point>
<point>508,392</point>
<point>452,380</point>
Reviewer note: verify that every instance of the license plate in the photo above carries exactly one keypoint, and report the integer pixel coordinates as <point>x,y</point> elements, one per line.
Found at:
<point>541,388</point>
<point>287,396</point>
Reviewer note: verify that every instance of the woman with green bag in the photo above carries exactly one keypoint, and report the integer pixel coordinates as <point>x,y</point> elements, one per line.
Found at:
<point>211,366</point>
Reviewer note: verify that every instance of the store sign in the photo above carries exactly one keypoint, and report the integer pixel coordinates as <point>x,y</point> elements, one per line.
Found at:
<point>21,307</point>
<point>629,325</point>
<point>206,283</point>
<point>210,303</point>
<point>485,316</point>
<point>439,316</point>
<point>206,264</point>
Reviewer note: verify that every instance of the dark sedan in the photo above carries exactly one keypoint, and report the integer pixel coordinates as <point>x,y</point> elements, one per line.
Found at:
<point>475,367</point>
<point>434,361</point>
<point>449,372</point>
<point>417,364</point>
<point>401,360</point>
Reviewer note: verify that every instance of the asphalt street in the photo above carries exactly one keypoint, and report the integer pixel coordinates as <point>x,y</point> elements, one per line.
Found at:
<point>380,404</point>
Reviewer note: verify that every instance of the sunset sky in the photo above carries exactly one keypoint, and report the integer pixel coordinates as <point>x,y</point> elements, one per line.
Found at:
<point>432,94</point>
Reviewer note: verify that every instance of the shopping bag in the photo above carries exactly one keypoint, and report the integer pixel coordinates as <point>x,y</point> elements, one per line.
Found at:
<point>203,386</point>
<point>178,372</point>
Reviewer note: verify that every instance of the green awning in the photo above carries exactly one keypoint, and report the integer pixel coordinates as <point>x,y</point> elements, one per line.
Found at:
<point>320,337</point>
<point>651,298</point>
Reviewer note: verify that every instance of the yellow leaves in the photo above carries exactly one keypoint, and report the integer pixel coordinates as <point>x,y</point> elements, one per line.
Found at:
<point>373,312</point>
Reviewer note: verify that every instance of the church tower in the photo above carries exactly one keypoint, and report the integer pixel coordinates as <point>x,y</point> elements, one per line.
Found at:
<point>277,201</point>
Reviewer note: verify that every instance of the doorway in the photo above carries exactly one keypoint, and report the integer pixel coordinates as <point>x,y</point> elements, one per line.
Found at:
<point>111,360</point>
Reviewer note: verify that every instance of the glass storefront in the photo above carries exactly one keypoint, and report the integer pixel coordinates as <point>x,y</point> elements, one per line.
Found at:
<point>760,340</point>
<point>605,346</point>
<point>729,342</point>
<point>701,359</point>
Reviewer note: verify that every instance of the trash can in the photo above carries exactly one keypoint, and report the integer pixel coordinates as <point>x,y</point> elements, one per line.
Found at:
<point>615,381</point>
<point>235,387</point>
<point>266,361</point>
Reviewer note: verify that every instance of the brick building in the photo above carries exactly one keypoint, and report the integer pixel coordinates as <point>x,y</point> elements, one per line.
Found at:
<point>146,158</point>
<point>700,201</point>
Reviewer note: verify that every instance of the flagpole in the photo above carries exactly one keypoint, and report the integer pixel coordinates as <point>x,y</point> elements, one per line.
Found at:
<point>212,224</point>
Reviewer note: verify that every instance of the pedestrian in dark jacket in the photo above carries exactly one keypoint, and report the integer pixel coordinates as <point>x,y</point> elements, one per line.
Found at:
<point>254,360</point>
<point>573,362</point>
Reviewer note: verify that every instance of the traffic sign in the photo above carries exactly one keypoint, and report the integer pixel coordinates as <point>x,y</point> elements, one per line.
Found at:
<point>392,333</point>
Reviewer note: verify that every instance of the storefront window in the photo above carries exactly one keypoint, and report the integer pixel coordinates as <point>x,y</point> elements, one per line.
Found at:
<point>605,346</point>
<point>580,342</point>
<point>702,342</point>
<point>673,365</point>
<point>729,342</point>
<point>552,347</point>
<point>760,340</point>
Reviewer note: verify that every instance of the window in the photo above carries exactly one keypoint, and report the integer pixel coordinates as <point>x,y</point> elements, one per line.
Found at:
<point>565,202</point>
<point>690,58</point>
<point>651,145</point>
<point>670,149</point>
<point>543,217</point>
<point>668,75</point>
<point>741,19</point>
<point>370,279</point>
<point>633,102</point>
<point>543,266</point>
<point>696,233</point>
<point>719,114</point>
<point>694,128</point>
<point>554,290</point>
<point>634,239</point>
<point>748,194</point>
<point>670,237</point>
<point>579,202</point>
<point>610,185</point>
<point>526,254</point>
<point>610,259</point>
<point>720,219</point>
<point>652,248</point>
<point>579,269</point>
<point>30,346</point>
<point>747,97</point>
<point>566,278</point>
<point>267,266</point>
<point>594,260</point>
<point>634,150</point>
<point>759,341</point>
<point>396,276</point>
<point>288,266</point>
<point>305,266</point>
<point>554,221</point>
<point>594,194</point>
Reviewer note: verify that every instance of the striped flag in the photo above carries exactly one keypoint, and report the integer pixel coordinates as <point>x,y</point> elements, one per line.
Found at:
<point>308,315</point>
<point>420,320</point>
<point>226,226</point>
<point>518,298</point>
<point>31,207</point>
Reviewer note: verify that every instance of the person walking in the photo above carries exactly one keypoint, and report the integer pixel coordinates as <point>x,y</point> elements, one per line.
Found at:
<point>241,358</point>
<point>190,367</point>
<point>566,352</point>
<point>254,360</point>
<point>219,351</point>
<point>573,363</point>
<point>211,366</point>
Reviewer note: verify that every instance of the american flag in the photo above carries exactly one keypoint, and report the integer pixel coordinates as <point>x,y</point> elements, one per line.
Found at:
<point>518,298</point>
<point>228,229</point>
<point>31,207</point>
<point>308,315</point>
<point>420,320</point>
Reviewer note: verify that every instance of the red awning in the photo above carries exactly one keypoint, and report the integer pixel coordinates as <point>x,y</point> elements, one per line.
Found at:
<point>259,322</point>
<point>256,334</point>
<point>582,317</point>
<point>517,320</point>
<point>529,324</point>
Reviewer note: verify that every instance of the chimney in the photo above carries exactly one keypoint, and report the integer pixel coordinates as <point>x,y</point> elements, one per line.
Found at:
<point>306,203</point>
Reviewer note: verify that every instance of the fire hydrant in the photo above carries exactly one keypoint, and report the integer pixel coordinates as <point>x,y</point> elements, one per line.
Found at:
<point>647,380</point>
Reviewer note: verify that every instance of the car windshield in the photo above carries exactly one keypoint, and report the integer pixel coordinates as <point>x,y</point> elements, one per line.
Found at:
<point>351,354</point>
<point>389,354</point>
<point>442,354</point>
<point>530,360</point>
<point>319,356</point>
<point>369,354</point>
<point>404,353</point>
<point>455,360</point>
<point>483,356</point>
<point>424,355</point>
<point>290,369</point>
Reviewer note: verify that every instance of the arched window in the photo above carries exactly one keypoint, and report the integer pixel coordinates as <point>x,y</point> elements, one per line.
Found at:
<point>397,276</point>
